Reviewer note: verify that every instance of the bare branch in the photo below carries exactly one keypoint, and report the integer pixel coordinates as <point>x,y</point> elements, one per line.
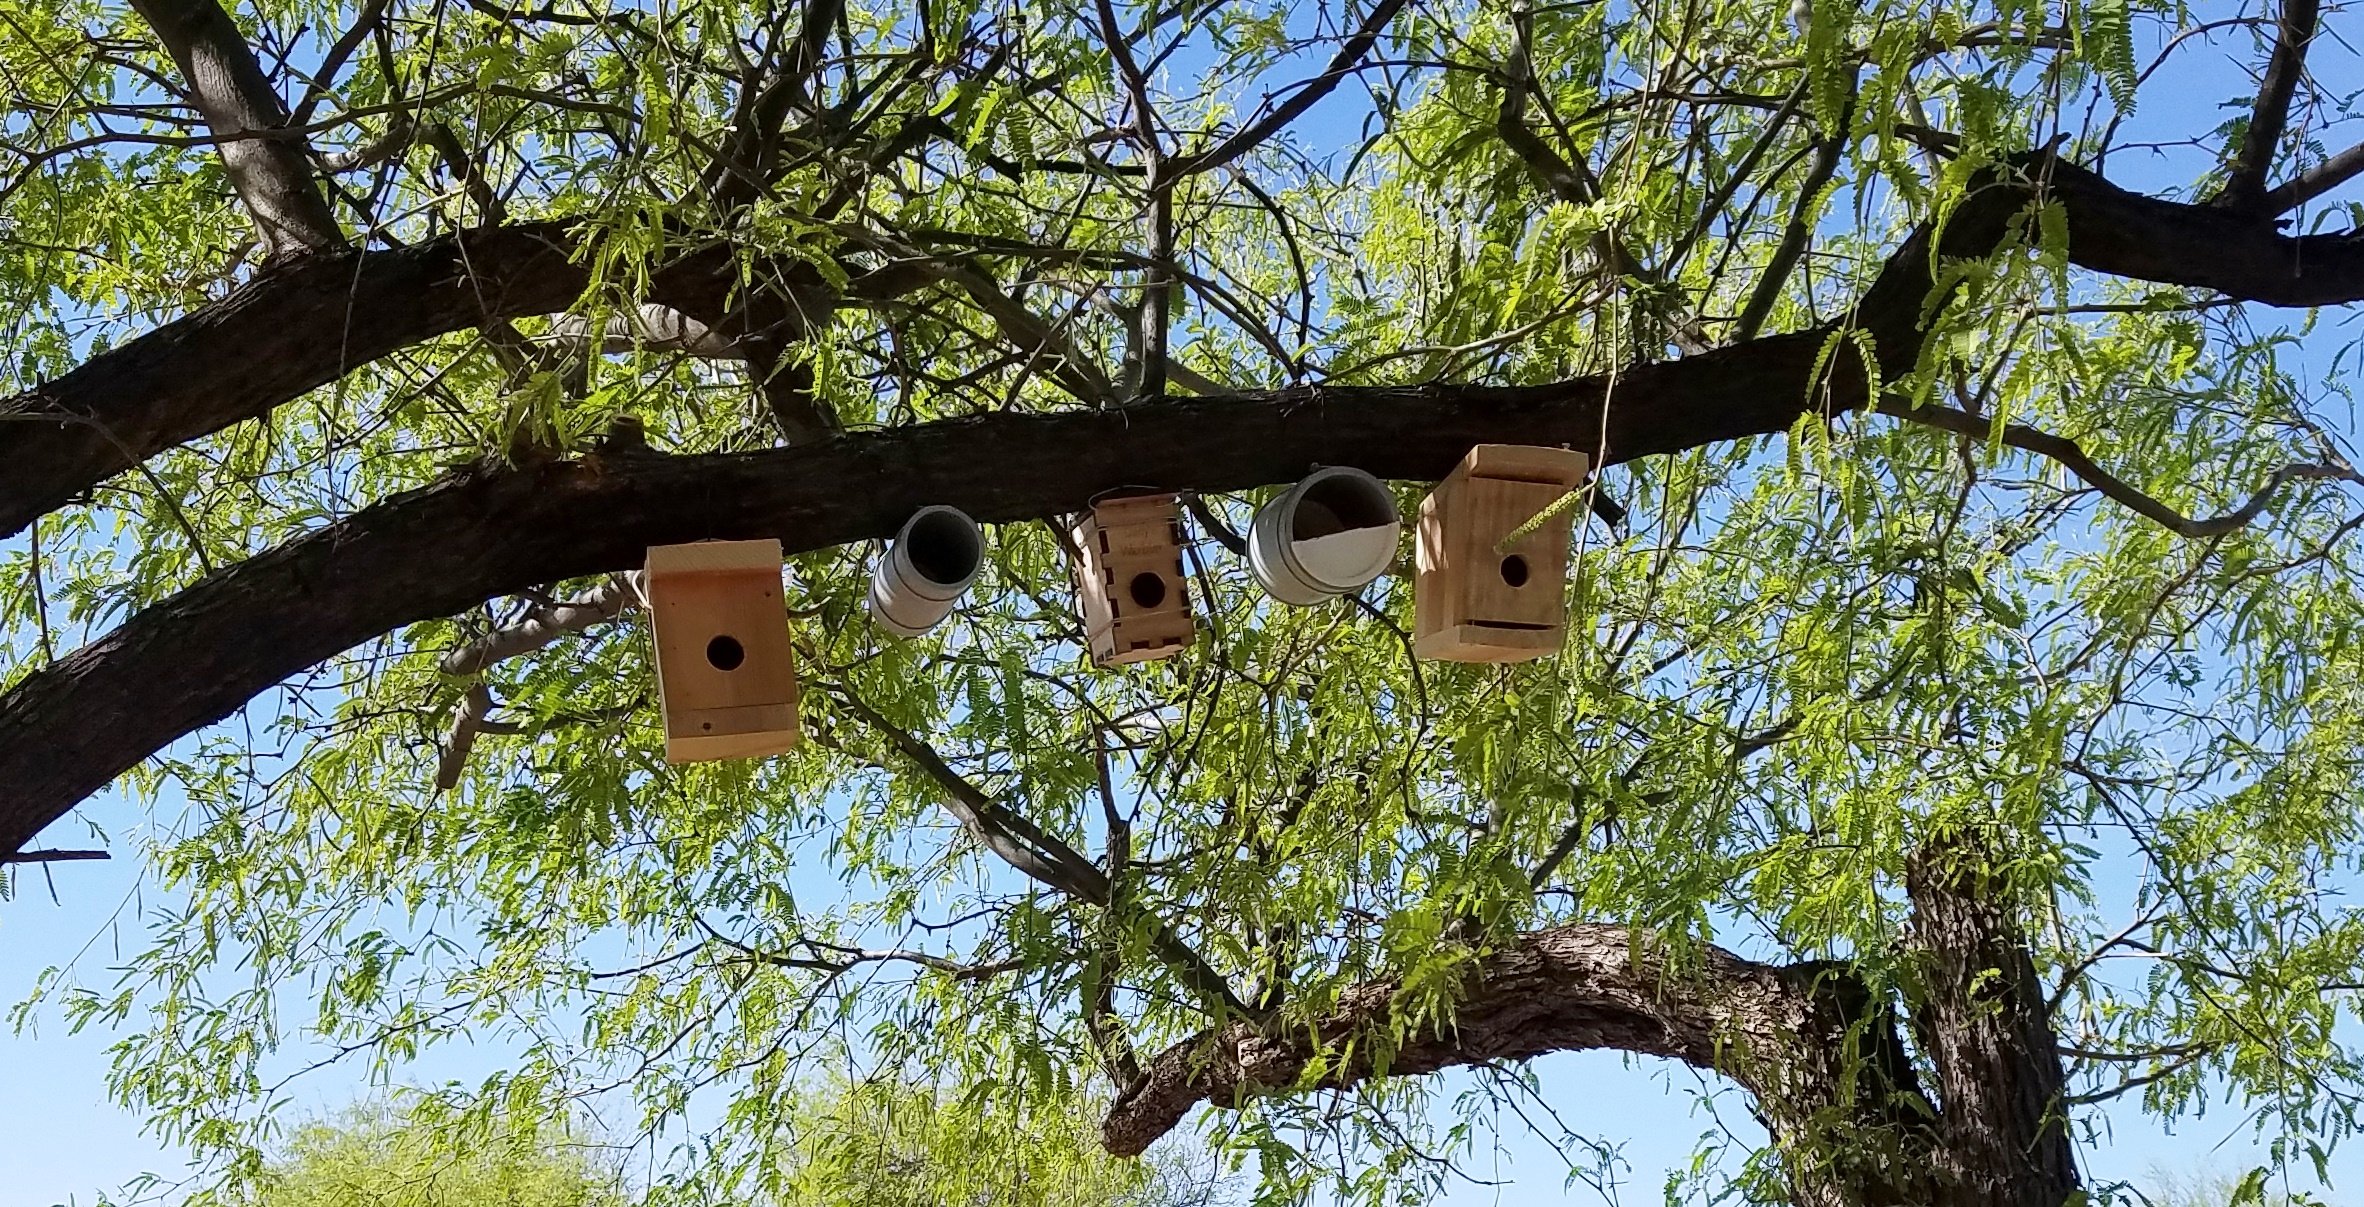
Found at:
<point>646,327</point>
<point>2314,182</point>
<point>1342,64</point>
<point>1038,337</point>
<point>467,721</point>
<point>2073,458</point>
<point>543,626</point>
<point>781,80</point>
<point>831,957</point>
<point>399,134</point>
<point>324,76</point>
<point>1572,181</point>
<point>2245,178</point>
<point>1794,238</point>
<point>53,856</point>
<point>1038,853</point>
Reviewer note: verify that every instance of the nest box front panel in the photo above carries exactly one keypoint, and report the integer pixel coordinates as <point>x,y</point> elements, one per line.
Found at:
<point>1521,588</point>
<point>1474,599</point>
<point>1135,605</point>
<point>725,670</point>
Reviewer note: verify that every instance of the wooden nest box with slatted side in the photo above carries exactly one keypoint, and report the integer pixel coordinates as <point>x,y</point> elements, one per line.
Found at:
<point>1474,601</point>
<point>725,672</point>
<point>1135,606</point>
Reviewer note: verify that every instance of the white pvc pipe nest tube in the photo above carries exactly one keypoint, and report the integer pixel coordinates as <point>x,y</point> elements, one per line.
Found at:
<point>1327,535</point>
<point>933,562</point>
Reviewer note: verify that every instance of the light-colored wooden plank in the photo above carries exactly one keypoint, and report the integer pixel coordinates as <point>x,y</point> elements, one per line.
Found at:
<point>1526,463</point>
<point>778,736</point>
<point>701,557</point>
<point>726,671</point>
<point>1484,643</point>
<point>1526,586</point>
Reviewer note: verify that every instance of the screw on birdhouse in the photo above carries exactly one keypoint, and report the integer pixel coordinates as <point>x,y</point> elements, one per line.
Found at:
<point>1329,534</point>
<point>725,672</point>
<point>934,560</point>
<point>1493,556</point>
<point>1129,580</point>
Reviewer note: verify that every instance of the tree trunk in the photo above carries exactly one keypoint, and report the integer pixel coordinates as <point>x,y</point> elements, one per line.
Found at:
<point>1984,1026</point>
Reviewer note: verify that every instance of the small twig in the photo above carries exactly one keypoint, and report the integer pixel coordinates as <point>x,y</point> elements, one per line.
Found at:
<point>2073,458</point>
<point>1345,61</point>
<point>53,856</point>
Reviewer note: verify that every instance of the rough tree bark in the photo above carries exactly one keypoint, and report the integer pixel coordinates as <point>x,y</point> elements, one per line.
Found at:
<point>304,325</point>
<point>266,161</point>
<point>1831,1077</point>
<point>1817,1047</point>
<point>1983,1025</point>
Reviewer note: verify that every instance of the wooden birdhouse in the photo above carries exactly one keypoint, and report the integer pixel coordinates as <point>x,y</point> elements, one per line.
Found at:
<point>724,669</point>
<point>1135,607</point>
<point>1474,601</point>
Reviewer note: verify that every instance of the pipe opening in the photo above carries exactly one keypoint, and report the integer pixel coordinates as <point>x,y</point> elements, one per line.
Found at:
<point>943,546</point>
<point>1342,503</point>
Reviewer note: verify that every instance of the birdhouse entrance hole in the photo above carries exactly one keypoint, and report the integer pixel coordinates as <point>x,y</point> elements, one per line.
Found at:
<point>725,653</point>
<point>1514,570</point>
<point>1148,590</point>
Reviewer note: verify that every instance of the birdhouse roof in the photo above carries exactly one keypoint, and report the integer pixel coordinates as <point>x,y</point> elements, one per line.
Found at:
<point>707,557</point>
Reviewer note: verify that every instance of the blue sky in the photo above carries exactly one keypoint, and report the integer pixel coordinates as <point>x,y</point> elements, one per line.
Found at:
<point>62,1142</point>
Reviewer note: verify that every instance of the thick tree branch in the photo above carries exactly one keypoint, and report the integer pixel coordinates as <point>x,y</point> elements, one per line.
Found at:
<point>467,721</point>
<point>2245,178</point>
<point>1981,1020</point>
<point>290,330</point>
<point>196,657</point>
<point>271,175</point>
<point>498,530</point>
<point>2314,182</point>
<point>1804,1038</point>
<point>307,324</point>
